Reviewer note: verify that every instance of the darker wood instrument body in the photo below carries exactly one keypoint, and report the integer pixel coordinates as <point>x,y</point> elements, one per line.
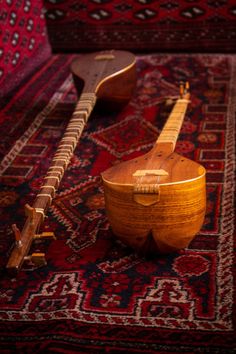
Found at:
<point>107,75</point>
<point>116,85</point>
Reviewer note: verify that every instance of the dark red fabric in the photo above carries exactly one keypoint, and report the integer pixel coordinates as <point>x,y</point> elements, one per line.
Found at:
<point>23,41</point>
<point>95,295</point>
<point>142,25</point>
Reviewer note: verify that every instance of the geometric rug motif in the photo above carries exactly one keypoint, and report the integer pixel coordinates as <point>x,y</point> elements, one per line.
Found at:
<point>79,209</point>
<point>135,131</point>
<point>142,25</point>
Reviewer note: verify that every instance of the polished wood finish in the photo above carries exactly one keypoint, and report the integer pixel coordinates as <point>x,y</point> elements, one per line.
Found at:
<point>156,203</point>
<point>112,79</point>
<point>108,75</point>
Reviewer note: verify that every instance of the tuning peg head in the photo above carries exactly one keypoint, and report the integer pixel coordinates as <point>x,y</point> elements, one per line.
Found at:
<point>181,89</point>
<point>17,234</point>
<point>38,259</point>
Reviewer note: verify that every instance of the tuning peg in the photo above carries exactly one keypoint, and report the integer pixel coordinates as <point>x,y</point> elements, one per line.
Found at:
<point>17,234</point>
<point>30,212</point>
<point>181,89</point>
<point>38,259</point>
<point>43,235</point>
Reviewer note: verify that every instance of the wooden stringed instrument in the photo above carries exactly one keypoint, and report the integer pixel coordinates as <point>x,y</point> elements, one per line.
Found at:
<point>156,203</point>
<point>107,75</point>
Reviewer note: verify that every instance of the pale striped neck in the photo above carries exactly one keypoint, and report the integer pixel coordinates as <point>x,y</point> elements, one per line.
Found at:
<point>65,150</point>
<point>170,132</point>
<point>85,105</point>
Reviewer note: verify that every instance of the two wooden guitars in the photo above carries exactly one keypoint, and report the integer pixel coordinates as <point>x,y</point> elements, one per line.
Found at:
<point>107,75</point>
<point>156,202</point>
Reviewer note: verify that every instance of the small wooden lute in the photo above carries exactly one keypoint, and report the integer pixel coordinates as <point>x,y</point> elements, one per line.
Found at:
<point>156,203</point>
<point>107,75</point>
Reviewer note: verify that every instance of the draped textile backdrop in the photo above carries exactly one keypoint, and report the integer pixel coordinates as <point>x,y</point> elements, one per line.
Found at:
<point>142,25</point>
<point>24,44</point>
<point>95,295</point>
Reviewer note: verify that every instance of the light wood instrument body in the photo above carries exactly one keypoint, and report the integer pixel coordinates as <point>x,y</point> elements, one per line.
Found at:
<point>156,203</point>
<point>108,75</point>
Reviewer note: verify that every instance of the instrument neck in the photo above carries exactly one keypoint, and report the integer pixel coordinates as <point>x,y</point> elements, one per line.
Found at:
<point>65,151</point>
<point>170,132</point>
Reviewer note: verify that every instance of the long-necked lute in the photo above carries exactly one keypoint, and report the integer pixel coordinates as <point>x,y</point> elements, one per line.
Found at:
<point>107,75</point>
<point>156,203</point>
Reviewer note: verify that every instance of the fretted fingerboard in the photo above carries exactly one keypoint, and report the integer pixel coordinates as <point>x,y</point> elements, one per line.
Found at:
<point>171,130</point>
<point>64,152</point>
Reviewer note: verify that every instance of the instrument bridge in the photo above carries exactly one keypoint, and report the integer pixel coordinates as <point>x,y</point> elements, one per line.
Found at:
<point>104,57</point>
<point>142,173</point>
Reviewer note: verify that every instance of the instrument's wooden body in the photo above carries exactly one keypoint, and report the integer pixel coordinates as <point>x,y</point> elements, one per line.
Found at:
<point>156,216</point>
<point>113,76</point>
<point>156,202</point>
<point>108,75</point>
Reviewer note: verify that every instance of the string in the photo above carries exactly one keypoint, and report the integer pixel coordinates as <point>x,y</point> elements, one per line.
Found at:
<point>167,138</point>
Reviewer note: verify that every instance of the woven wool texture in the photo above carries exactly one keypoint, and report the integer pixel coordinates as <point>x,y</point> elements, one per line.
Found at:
<point>141,25</point>
<point>23,42</point>
<point>95,295</point>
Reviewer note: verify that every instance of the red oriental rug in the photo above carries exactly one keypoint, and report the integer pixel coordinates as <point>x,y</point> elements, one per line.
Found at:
<point>142,25</point>
<point>95,295</point>
<point>24,44</point>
